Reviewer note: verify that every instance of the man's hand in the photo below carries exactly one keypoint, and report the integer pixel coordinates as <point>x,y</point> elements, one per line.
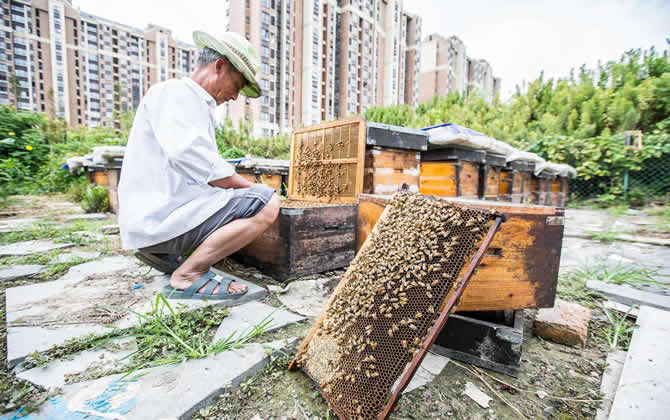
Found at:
<point>233,181</point>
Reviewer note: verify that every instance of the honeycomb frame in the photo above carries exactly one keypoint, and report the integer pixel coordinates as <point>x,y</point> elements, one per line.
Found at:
<point>393,301</point>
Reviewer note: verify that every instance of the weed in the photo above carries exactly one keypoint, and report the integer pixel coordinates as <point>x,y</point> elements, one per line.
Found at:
<point>95,200</point>
<point>572,287</point>
<point>634,275</point>
<point>165,336</point>
<point>605,237</point>
<point>620,330</point>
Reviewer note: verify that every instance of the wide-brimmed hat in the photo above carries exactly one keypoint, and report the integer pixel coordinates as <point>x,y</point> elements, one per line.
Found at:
<point>239,52</point>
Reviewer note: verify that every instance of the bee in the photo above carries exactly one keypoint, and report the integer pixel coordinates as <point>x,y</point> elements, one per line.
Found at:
<point>390,332</point>
<point>430,295</point>
<point>372,358</point>
<point>418,315</point>
<point>372,367</point>
<point>394,327</point>
<point>388,315</point>
<point>431,309</point>
<point>412,327</point>
<point>404,344</point>
<point>374,374</point>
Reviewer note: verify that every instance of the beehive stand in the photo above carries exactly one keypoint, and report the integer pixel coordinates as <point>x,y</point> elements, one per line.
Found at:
<point>393,301</point>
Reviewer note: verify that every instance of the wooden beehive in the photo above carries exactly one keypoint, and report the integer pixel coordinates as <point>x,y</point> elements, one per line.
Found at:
<point>451,172</point>
<point>304,241</point>
<point>336,161</point>
<point>108,176</point>
<point>489,186</point>
<point>522,173</point>
<point>507,181</point>
<point>541,188</point>
<point>272,173</point>
<point>560,187</point>
<point>520,269</point>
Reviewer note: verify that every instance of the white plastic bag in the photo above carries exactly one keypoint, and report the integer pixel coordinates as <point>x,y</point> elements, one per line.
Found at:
<point>103,154</point>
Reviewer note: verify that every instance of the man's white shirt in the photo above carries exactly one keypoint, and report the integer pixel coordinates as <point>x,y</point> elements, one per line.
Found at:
<point>170,158</point>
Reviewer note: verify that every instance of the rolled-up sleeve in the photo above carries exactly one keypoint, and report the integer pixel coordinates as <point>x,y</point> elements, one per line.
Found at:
<point>181,122</point>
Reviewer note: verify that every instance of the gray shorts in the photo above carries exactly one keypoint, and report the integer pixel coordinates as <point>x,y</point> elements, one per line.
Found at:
<point>245,203</point>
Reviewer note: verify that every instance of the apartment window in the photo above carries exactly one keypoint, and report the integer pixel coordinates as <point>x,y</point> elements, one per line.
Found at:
<point>265,18</point>
<point>272,20</point>
<point>265,68</point>
<point>246,19</point>
<point>265,3</point>
<point>265,52</point>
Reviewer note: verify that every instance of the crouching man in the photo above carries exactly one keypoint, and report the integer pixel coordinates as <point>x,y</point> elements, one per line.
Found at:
<point>176,193</point>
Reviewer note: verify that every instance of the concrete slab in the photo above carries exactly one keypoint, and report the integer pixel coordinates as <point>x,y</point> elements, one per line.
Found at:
<point>30,247</point>
<point>91,236</point>
<point>82,365</point>
<point>620,307</point>
<point>628,295</point>
<point>306,297</point>
<point>74,256</point>
<point>644,388</point>
<point>89,299</point>
<point>651,240</point>
<point>89,216</point>
<point>477,395</point>
<point>610,382</point>
<point>244,317</point>
<point>14,225</point>
<point>430,367</point>
<point>166,392</point>
<point>17,272</point>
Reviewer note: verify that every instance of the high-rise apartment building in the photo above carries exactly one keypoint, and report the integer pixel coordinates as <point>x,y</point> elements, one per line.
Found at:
<point>444,67</point>
<point>480,78</point>
<point>325,59</point>
<point>83,68</point>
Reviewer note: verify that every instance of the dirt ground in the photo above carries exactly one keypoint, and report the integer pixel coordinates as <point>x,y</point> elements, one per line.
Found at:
<point>556,381</point>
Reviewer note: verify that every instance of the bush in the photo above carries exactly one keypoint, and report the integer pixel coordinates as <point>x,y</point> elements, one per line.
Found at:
<point>78,189</point>
<point>95,200</point>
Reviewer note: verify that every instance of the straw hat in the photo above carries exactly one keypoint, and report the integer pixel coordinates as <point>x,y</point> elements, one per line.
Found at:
<point>239,52</point>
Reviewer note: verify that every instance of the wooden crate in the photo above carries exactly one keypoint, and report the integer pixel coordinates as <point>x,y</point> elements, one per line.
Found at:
<point>451,172</point>
<point>489,186</point>
<point>520,269</point>
<point>521,185</point>
<point>304,241</point>
<point>541,188</point>
<point>387,169</point>
<point>337,161</point>
<point>462,337</point>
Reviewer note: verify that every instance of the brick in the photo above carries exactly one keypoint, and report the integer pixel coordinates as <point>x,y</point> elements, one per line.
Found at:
<point>565,323</point>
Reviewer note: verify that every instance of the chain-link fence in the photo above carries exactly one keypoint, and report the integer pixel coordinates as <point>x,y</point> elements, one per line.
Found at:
<point>650,183</point>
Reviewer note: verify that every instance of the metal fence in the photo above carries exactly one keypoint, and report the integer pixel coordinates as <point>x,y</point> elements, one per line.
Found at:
<point>651,183</point>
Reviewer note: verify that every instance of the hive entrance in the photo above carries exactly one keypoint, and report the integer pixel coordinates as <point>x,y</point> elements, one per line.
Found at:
<point>380,317</point>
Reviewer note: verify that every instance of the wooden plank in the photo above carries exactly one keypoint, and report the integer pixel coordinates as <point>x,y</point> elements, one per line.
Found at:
<point>519,271</point>
<point>468,180</point>
<point>437,153</point>
<point>438,178</point>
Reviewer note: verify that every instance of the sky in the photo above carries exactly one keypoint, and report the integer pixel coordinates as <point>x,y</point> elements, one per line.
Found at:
<point>519,38</point>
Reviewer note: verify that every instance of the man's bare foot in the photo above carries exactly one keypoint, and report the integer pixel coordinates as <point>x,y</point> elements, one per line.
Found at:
<point>182,281</point>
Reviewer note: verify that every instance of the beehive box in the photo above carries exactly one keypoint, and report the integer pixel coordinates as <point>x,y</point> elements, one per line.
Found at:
<point>306,238</point>
<point>451,172</point>
<point>507,181</point>
<point>108,176</point>
<point>520,269</point>
<point>336,161</point>
<point>541,188</point>
<point>522,173</point>
<point>270,172</point>
<point>489,186</point>
<point>560,188</point>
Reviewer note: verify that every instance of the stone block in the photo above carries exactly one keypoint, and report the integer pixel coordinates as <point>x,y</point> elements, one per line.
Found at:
<point>17,272</point>
<point>565,323</point>
<point>165,392</point>
<point>89,216</point>
<point>30,247</point>
<point>244,317</point>
<point>73,256</point>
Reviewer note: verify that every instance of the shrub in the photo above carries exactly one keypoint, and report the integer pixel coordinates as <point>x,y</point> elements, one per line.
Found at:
<point>95,200</point>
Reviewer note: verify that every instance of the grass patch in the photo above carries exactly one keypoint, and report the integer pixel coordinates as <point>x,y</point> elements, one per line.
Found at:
<point>61,232</point>
<point>605,237</point>
<point>634,275</point>
<point>619,332</point>
<point>166,335</point>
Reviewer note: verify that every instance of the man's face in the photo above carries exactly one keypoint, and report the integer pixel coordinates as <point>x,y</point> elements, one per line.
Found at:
<point>228,82</point>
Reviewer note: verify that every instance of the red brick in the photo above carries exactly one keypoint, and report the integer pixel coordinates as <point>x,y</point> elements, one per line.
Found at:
<point>565,323</point>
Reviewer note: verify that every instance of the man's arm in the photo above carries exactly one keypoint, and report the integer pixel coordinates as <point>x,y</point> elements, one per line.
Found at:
<point>233,181</point>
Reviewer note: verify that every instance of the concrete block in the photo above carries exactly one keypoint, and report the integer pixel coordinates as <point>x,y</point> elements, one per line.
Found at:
<point>84,364</point>
<point>30,247</point>
<point>166,392</point>
<point>40,316</point>
<point>628,295</point>
<point>565,323</point>
<point>244,317</point>
<point>73,256</point>
<point>16,272</point>
<point>644,388</point>
<point>306,297</point>
<point>430,367</point>
<point>610,382</point>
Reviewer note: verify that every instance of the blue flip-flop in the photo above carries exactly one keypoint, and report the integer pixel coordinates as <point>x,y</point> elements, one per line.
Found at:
<point>211,279</point>
<point>167,263</point>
